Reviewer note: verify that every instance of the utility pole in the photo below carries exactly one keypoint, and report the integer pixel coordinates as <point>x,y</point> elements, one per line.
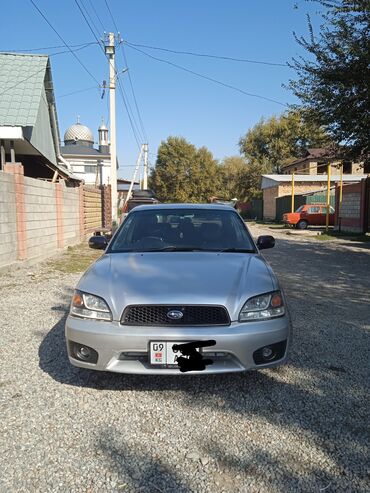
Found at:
<point>110,52</point>
<point>134,176</point>
<point>145,179</point>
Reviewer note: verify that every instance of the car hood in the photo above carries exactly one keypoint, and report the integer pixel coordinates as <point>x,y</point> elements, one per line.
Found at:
<point>176,278</point>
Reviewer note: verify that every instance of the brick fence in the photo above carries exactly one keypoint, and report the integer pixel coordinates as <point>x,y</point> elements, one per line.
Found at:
<point>36,217</point>
<point>350,214</point>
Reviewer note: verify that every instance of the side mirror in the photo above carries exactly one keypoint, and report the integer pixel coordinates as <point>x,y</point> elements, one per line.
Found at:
<point>265,241</point>
<point>98,242</point>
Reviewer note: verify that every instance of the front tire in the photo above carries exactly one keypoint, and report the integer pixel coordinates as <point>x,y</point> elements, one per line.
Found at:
<point>302,224</point>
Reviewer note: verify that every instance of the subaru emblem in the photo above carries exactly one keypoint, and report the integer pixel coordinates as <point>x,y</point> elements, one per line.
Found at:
<point>175,314</point>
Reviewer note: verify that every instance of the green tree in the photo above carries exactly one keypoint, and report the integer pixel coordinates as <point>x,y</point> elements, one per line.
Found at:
<point>333,83</point>
<point>184,173</point>
<point>279,140</point>
<point>241,179</point>
<point>232,169</point>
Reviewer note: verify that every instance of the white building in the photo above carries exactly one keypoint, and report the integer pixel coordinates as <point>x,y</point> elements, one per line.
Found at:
<point>88,163</point>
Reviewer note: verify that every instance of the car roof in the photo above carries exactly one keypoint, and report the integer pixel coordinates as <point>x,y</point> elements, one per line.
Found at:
<point>183,206</point>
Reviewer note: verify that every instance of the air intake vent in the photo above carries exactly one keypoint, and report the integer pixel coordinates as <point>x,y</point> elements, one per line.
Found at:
<point>162,315</point>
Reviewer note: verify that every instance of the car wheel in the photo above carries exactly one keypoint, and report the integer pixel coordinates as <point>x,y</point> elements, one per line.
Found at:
<point>302,224</point>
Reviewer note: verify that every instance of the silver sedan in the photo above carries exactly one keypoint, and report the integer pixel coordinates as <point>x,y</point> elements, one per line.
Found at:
<point>181,288</point>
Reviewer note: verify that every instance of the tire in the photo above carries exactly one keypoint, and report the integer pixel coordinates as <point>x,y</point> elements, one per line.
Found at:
<point>302,224</point>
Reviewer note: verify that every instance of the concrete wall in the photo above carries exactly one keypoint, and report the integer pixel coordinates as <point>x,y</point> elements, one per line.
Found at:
<point>8,232</point>
<point>36,217</point>
<point>40,217</point>
<point>71,216</point>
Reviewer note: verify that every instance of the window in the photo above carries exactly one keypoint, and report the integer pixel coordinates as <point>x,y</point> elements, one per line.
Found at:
<point>300,208</point>
<point>347,167</point>
<point>90,168</point>
<point>321,168</point>
<point>182,229</point>
<point>331,210</point>
<point>314,210</point>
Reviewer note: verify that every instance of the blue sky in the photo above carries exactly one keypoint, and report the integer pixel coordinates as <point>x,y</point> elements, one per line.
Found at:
<point>171,101</point>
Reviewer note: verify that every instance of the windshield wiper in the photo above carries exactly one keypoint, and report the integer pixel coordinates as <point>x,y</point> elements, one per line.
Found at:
<point>237,250</point>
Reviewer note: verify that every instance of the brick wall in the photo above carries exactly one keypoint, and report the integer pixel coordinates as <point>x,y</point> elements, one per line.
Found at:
<point>8,217</point>
<point>269,202</point>
<point>36,217</point>
<point>40,217</point>
<point>270,195</point>
<point>350,214</point>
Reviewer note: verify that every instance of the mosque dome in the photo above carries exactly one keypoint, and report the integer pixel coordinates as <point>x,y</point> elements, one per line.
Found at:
<point>79,134</point>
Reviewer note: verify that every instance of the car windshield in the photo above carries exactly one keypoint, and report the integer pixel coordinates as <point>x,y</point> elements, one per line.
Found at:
<point>300,208</point>
<point>167,230</point>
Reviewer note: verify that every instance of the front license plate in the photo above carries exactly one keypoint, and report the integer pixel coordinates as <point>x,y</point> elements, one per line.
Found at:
<point>161,352</point>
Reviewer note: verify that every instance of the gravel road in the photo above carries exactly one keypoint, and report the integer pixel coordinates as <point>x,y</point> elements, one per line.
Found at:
<point>302,427</point>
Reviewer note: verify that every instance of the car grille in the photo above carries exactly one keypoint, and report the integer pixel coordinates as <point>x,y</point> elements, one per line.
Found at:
<point>192,315</point>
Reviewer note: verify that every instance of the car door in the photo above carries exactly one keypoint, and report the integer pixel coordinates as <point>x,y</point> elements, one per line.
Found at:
<point>314,215</point>
<point>331,214</point>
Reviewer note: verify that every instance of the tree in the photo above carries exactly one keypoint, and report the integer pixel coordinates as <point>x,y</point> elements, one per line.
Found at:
<point>333,84</point>
<point>240,179</point>
<point>279,140</point>
<point>232,170</point>
<point>184,173</point>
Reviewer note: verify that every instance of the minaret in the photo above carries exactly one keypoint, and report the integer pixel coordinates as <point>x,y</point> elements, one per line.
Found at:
<point>103,138</point>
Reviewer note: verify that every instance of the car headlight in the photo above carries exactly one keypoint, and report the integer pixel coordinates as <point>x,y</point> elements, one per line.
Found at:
<point>263,307</point>
<point>87,305</point>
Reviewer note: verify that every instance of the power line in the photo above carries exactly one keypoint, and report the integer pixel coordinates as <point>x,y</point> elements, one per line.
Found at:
<point>121,90</point>
<point>89,25</point>
<point>77,92</point>
<point>67,51</point>
<point>41,70</point>
<point>129,76</point>
<point>65,43</point>
<point>90,17</point>
<point>206,55</point>
<point>234,88</point>
<point>96,14</point>
<point>47,48</point>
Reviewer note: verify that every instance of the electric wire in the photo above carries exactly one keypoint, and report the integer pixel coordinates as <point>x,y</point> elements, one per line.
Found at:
<point>211,79</point>
<point>121,91</point>
<point>89,16</point>
<point>206,55</point>
<point>76,92</point>
<point>97,15</point>
<point>63,41</point>
<point>89,25</point>
<point>129,76</point>
<point>67,51</point>
<point>47,48</point>
<point>41,70</point>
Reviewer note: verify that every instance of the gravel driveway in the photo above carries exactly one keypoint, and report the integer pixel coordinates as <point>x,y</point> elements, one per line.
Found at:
<point>303,427</point>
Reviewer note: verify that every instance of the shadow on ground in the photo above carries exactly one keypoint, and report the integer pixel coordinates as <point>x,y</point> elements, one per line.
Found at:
<point>321,395</point>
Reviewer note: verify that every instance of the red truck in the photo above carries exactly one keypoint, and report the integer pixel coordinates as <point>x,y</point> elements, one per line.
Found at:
<point>309,215</point>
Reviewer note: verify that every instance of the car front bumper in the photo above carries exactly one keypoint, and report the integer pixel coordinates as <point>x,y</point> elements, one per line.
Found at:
<point>125,349</point>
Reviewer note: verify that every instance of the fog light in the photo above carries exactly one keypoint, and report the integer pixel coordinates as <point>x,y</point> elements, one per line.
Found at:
<point>270,353</point>
<point>267,353</point>
<point>84,353</point>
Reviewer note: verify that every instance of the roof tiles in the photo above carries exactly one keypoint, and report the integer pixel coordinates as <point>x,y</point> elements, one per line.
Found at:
<point>21,83</point>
